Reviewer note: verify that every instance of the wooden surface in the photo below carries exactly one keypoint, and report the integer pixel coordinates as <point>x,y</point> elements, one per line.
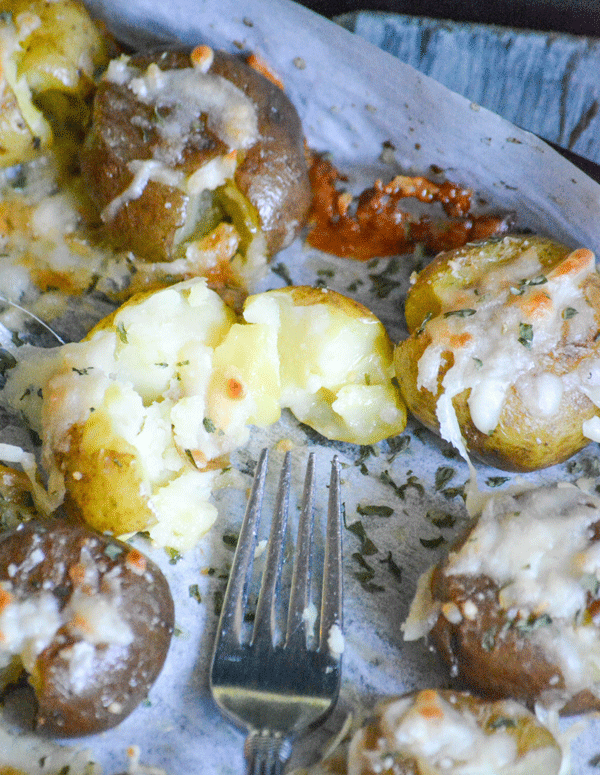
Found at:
<point>581,17</point>
<point>547,83</point>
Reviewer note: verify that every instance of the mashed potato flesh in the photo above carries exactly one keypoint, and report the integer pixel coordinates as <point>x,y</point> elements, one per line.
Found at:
<point>138,419</point>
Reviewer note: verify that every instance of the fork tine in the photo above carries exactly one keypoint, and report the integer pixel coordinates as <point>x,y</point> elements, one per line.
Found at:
<point>301,577</point>
<point>234,602</point>
<point>266,610</point>
<point>331,597</point>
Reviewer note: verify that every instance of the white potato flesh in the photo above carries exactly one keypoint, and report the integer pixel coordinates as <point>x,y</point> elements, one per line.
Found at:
<point>138,419</point>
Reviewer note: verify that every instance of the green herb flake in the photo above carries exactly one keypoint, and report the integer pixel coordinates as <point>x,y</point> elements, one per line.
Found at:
<point>454,492</point>
<point>424,322</point>
<point>190,457</point>
<point>7,360</point>
<point>6,17</point>
<point>539,279</point>
<point>375,511</point>
<point>502,722</point>
<point>194,592</point>
<point>441,520</point>
<point>367,546</point>
<point>527,626</point>
<point>400,489</point>
<point>208,425</point>
<point>525,334</point>
<point>174,556</point>
<point>488,639</point>
<point>460,313</point>
<point>397,445</point>
<point>162,365</point>
<point>393,566</point>
<point>112,551</point>
<point>569,312</point>
<point>496,481</point>
<point>432,543</point>
<point>443,476</point>
<point>122,333</point>
<point>281,270</point>
<point>478,362</point>
<point>230,540</point>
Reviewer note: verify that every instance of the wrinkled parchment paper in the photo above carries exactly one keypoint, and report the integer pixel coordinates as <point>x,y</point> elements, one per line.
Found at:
<point>352,99</point>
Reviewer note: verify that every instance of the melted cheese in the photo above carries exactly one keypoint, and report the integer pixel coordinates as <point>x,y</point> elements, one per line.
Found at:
<point>499,333</point>
<point>432,732</point>
<point>180,96</point>
<point>29,624</point>
<point>537,547</point>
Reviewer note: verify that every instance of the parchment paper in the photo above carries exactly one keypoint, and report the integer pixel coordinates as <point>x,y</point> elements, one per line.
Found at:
<point>352,98</point>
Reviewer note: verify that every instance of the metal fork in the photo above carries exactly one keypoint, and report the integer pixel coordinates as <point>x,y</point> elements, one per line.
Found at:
<point>278,686</point>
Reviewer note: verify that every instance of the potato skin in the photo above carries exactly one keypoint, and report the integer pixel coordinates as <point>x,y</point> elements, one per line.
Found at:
<point>55,65</point>
<point>520,441</point>
<point>273,175</point>
<point>486,649</point>
<point>119,676</point>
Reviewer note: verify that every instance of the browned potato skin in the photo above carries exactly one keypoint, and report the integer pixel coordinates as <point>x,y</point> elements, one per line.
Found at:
<point>121,675</point>
<point>273,175</point>
<point>510,667</point>
<point>520,442</point>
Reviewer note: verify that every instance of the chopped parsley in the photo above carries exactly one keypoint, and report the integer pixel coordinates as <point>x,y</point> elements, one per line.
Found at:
<point>230,540</point>
<point>460,313</point>
<point>424,322</point>
<point>393,566</point>
<point>496,481</point>
<point>569,312</point>
<point>122,333</point>
<point>432,543</point>
<point>209,425</point>
<point>525,334</point>
<point>443,476</point>
<point>194,592</point>
<point>375,511</point>
<point>366,574</point>
<point>400,489</point>
<point>366,545</point>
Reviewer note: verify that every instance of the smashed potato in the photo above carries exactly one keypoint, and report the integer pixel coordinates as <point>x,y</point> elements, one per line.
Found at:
<point>514,607</point>
<point>503,358</point>
<point>89,619</point>
<point>181,142</point>
<point>437,731</point>
<point>137,420</point>
<point>49,53</point>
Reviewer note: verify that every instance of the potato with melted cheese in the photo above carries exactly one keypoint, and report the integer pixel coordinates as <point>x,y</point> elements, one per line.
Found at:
<point>432,732</point>
<point>88,618</point>
<point>181,142</point>
<point>138,419</point>
<point>49,55</point>
<point>514,607</point>
<point>503,357</point>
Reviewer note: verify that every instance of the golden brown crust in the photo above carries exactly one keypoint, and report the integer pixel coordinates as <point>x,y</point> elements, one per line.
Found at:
<point>521,441</point>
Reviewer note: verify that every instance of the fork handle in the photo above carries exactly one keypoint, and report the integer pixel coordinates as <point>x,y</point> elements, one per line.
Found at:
<point>266,752</point>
